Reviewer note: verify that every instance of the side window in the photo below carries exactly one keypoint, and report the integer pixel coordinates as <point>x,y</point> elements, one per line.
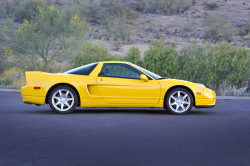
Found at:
<point>83,70</point>
<point>120,70</point>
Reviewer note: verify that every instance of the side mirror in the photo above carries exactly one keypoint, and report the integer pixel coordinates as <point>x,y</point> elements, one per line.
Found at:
<point>144,78</point>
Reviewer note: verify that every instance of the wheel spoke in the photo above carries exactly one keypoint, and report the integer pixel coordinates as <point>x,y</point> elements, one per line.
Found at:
<point>183,108</point>
<point>173,104</point>
<point>67,105</point>
<point>184,96</point>
<point>186,102</point>
<point>69,99</point>
<point>58,103</point>
<point>60,92</point>
<point>67,93</point>
<point>179,94</point>
<point>62,107</point>
<point>173,97</point>
<point>177,107</point>
<point>57,98</point>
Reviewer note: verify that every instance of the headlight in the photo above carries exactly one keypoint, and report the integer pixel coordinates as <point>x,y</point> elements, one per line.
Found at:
<point>201,85</point>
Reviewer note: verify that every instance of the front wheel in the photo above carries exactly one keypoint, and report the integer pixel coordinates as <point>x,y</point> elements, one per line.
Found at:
<point>179,101</point>
<point>63,99</point>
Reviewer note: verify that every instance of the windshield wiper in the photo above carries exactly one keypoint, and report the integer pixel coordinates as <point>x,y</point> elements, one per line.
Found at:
<point>162,78</point>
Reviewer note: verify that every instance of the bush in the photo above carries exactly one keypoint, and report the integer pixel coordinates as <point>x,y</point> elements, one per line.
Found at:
<point>74,9</point>
<point>27,9</point>
<point>119,30</point>
<point>2,10</point>
<point>161,59</point>
<point>158,35</point>
<point>194,2</point>
<point>239,61</point>
<point>217,27</point>
<point>6,82</point>
<point>133,56</point>
<point>192,64</point>
<point>78,7</point>
<point>90,54</point>
<point>187,25</point>
<point>211,6</point>
<point>215,66</point>
<point>170,7</point>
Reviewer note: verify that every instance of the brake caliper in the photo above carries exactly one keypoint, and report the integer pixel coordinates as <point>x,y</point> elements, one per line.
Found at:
<point>185,101</point>
<point>69,101</point>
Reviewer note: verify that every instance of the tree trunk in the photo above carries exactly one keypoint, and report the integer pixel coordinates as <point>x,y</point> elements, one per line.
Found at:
<point>248,86</point>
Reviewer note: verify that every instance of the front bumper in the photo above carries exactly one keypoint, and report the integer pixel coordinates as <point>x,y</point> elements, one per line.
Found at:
<point>207,100</point>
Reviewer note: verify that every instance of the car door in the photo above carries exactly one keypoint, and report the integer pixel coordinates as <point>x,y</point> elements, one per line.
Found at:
<point>120,83</point>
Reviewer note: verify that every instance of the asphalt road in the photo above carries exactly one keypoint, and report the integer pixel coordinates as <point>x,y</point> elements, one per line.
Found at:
<point>33,135</point>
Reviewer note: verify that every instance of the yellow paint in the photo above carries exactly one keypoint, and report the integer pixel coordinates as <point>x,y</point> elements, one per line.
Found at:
<point>96,91</point>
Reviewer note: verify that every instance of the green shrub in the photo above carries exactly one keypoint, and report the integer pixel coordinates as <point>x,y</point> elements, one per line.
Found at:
<point>6,82</point>
<point>192,64</point>
<point>119,30</point>
<point>75,9</point>
<point>211,6</point>
<point>158,35</point>
<point>215,66</point>
<point>95,10</point>
<point>161,59</point>
<point>187,25</point>
<point>166,6</point>
<point>90,54</point>
<point>239,61</point>
<point>246,29</point>
<point>2,10</point>
<point>217,27</point>
<point>194,2</point>
<point>133,56</point>
<point>114,11</point>
<point>27,9</point>
<point>121,11</point>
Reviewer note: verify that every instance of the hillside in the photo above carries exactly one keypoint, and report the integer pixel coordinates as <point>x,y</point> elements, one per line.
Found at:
<point>177,29</point>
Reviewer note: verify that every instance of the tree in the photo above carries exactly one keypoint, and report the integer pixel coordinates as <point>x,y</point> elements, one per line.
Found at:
<point>48,37</point>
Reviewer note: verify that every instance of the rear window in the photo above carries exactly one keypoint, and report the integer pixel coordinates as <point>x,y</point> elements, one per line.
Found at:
<point>83,70</point>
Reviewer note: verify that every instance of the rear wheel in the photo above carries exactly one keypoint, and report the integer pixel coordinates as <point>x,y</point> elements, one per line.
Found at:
<point>63,99</point>
<point>179,101</point>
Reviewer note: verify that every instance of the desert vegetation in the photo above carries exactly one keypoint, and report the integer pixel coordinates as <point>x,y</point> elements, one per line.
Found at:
<point>193,40</point>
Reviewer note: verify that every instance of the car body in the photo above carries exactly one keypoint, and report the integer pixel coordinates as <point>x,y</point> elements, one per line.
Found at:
<point>113,84</point>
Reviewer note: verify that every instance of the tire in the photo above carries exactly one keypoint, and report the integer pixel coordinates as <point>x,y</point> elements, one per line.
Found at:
<point>63,99</point>
<point>179,101</point>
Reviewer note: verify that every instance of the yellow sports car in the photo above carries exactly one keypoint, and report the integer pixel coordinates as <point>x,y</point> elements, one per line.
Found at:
<point>113,84</point>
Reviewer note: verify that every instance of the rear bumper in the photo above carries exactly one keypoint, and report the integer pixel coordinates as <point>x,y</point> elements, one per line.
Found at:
<point>34,100</point>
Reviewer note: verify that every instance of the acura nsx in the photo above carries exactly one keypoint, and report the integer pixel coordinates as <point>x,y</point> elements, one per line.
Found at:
<point>113,84</point>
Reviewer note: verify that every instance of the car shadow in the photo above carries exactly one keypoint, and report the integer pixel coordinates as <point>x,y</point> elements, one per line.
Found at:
<point>152,111</point>
<point>120,111</point>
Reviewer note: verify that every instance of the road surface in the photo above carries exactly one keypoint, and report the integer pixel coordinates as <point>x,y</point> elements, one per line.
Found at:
<point>34,135</point>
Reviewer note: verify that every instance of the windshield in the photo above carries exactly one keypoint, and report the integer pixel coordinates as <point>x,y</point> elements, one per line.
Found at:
<point>83,70</point>
<point>155,76</point>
